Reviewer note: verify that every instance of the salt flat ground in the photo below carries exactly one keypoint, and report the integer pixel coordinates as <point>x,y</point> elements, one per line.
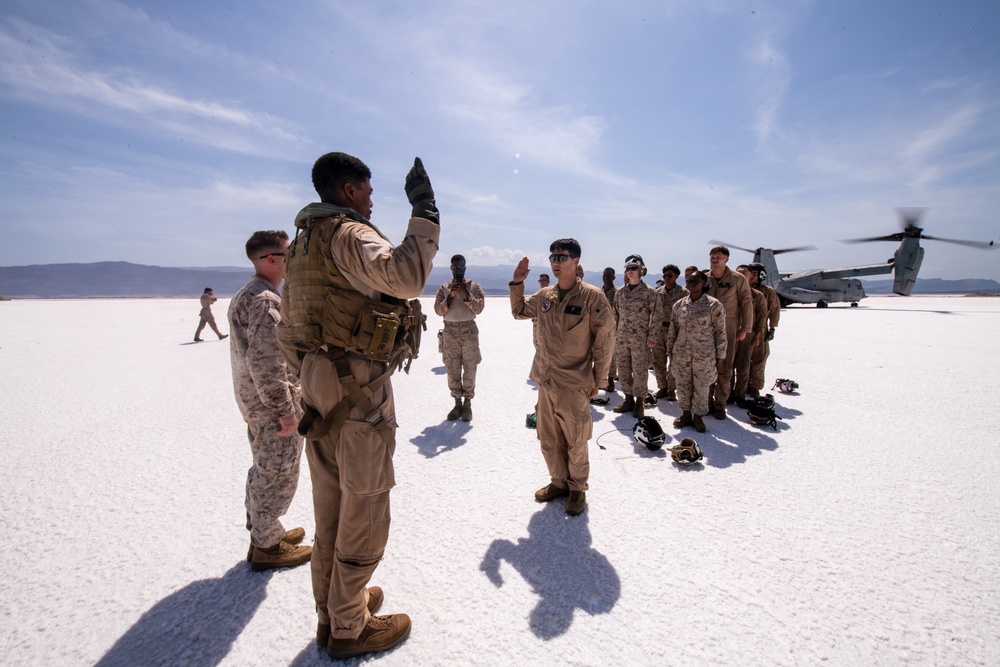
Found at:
<point>864,531</point>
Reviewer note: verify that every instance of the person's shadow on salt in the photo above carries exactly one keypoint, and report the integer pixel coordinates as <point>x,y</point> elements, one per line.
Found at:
<point>444,437</point>
<point>563,569</point>
<point>196,625</point>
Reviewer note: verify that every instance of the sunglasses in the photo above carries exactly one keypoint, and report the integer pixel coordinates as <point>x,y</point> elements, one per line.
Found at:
<point>558,259</point>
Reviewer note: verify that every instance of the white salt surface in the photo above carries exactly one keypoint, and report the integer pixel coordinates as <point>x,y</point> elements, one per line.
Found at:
<point>866,530</point>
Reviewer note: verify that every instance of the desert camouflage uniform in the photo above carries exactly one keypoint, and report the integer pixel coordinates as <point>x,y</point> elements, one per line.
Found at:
<point>661,360</point>
<point>745,348</point>
<point>733,290</point>
<point>206,316</point>
<point>461,337</point>
<point>696,342</point>
<point>758,360</point>
<point>575,337</point>
<point>265,392</point>
<point>638,318</point>
<point>609,293</point>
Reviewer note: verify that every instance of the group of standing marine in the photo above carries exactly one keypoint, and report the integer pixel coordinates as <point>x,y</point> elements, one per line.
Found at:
<point>707,342</point>
<point>316,361</point>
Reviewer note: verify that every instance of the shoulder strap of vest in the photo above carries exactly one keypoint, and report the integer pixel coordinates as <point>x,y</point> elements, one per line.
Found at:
<point>357,397</point>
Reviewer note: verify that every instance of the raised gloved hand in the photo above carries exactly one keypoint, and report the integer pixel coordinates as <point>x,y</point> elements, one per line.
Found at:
<point>420,193</point>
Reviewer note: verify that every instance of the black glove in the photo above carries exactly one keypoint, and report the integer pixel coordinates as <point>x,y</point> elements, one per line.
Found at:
<point>770,334</point>
<point>420,193</point>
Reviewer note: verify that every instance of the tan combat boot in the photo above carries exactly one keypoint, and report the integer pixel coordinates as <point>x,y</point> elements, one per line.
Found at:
<point>467,410</point>
<point>684,420</point>
<point>282,554</point>
<point>375,598</point>
<point>380,634</point>
<point>293,536</point>
<point>639,410</point>
<point>577,503</point>
<point>456,411</point>
<point>627,406</point>
<point>550,492</point>
<point>699,423</point>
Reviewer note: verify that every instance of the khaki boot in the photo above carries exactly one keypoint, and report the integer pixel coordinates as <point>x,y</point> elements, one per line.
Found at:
<point>550,492</point>
<point>719,412</point>
<point>627,406</point>
<point>683,420</point>
<point>456,411</point>
<point>699,424</point>
<point>293,536</point>
<point>380,634</point>
<point>282,554</point>
<point>577,503</point>
<point>611,385</point>
<point>467,410</point>
<point>375,598</point>
<point>639,410</point>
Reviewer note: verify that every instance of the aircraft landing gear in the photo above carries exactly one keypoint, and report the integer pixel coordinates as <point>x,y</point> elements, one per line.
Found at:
<point>854,304</point>
<point>821,304</point>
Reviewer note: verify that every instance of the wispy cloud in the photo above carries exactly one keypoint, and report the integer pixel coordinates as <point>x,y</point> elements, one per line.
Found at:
<point>35,65</point>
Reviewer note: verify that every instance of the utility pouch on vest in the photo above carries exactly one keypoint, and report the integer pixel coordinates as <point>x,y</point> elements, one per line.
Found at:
<point>383,337</point>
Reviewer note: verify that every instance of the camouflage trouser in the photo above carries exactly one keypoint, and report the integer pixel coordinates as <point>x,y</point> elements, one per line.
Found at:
<point>461,357</point>
<point>661,364</point>
<point>693,377</point>
<point>758,361</point>
<point>271,481</point>
<point>744,349</point>
<point>633,368</point>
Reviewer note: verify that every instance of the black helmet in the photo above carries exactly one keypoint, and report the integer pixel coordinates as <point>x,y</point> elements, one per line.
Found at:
<point>761,271</point>
<point>649,432</point>
<point>760,411</point>
<point>687,452</point>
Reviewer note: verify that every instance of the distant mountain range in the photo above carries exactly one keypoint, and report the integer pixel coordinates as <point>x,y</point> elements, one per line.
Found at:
<point>122,279</point>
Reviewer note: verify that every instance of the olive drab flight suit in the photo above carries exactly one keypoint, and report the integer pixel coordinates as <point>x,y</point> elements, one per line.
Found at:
<point>265,392</point>
<point>613,370</point>
<point>351,468</point>
<point>733,291</point>
<point>696,341</point>
<point>575,341</point>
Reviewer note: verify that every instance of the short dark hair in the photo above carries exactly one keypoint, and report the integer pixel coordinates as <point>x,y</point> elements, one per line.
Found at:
<point>719,249</point>
<point>264,240</point>
<point>571,246</point>
<point>742,266</point>
<point>207,290</point>
<point>457,258</point>
<point>543,275</point>
<point>702,276</point>
<point>333,170</point>
<point>672,268</point>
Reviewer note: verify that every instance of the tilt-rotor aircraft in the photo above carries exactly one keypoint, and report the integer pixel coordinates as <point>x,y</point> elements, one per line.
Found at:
<point>826,286</point>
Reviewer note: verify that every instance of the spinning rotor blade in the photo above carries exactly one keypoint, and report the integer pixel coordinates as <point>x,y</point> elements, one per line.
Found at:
<point>972,244</point>
<point>776,252</point>
<point>730,245</point>
<point>890,237</point>
<point>798,249</point>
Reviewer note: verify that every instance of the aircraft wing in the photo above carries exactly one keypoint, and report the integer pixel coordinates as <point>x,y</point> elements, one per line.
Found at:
<point>849,272</point>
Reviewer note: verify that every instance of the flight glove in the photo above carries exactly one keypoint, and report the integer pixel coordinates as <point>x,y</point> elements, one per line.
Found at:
<point>420,193</point>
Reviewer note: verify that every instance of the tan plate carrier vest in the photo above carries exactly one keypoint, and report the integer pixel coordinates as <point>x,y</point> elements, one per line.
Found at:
<point>322,310</point>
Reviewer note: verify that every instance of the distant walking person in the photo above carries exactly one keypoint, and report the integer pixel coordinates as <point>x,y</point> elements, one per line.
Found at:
<point>458,301</point>
<point>609,291</point>
<point>268,397</point>
<point>576,332</point>
<point>207,299</point>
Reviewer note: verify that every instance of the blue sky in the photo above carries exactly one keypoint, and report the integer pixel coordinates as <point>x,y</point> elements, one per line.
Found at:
<point>166,132</point>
